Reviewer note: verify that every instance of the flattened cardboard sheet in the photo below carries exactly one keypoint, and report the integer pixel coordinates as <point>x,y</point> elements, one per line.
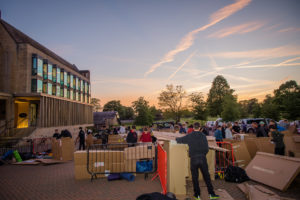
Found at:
<point>273,170</point>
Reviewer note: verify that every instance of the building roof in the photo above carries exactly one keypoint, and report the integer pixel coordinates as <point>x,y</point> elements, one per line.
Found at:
<point>20,37</point>
<point>100,117</point>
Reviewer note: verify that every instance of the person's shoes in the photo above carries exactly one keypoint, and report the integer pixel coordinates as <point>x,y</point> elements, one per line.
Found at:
<point>197,197</point>
<point>214,196</point>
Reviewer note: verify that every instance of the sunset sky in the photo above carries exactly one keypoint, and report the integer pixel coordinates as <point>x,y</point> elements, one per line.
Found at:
<point>135,48</point>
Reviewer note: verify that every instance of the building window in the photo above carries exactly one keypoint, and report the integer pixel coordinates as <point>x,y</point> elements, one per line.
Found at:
<point>39,86</point>
<point>65,78</point>
<point>54,90</point>
<point>81,85</point>
<point>34,65</point>
<point>85,87</point>
<point>49,72</point>
<point>33,85</point>
<point>88,88</point>
<point>62,91</point>
<point>74,95</point>
<point>45,87</point>
<point>71,94</point>
<point>49,88</point>
<point>77,96</point>
<point>40,67</point>
<point>58,75</point>
<point>71,81</point>
<point>62,77</point>
<point>54,73</point>
<point>58,90</point>
<point>74,82</point>
<point>66,93</point>
<point>45,70</point>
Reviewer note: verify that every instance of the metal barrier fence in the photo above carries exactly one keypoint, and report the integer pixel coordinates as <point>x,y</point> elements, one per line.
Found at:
<point>224,159</point>
<point>104,159</point>
<point>32,146</point>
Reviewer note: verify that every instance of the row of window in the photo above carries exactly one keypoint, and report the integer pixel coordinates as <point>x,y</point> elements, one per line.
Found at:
<point>53,73</point>
<point>53,80</point>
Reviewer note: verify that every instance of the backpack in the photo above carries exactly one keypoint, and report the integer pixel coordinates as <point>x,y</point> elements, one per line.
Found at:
<point>235,174</point>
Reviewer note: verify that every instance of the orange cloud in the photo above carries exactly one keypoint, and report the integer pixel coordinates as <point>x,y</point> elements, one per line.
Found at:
<point>240,29</point>
<point>188,39</point>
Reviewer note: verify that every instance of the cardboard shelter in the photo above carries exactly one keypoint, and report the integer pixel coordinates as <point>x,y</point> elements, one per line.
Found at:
<point>292,146</point>
<point>273,170</point>
<point>63,149</point>
<point>178,167</point>
<point>259,192</point>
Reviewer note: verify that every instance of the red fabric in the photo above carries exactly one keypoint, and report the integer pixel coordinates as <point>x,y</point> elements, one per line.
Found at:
<point>190,130</point>
<point>146,137</point>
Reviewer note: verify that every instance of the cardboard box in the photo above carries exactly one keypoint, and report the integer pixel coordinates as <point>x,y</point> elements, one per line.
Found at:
<point>264,144</point>
<point>251,146</point>
<point>89,140</point>
<point>210,157</point>
<point>292,146</point>
<point>117,167</point>
<point>139,152</point>
<point>273,170</point>
<point>80,158</point>
<point>80,172</point>
<point>241,154</point>
<point>130,165</point>
<point>63,149</point>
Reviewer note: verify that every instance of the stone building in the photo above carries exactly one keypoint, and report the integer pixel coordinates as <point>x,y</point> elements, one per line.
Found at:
<point>39,90</point>
<point>107,119</point>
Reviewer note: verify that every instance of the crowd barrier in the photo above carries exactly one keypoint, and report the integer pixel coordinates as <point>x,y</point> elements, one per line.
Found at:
<point>224,159</point>
<point>161,168</point>
<point>137,158</point>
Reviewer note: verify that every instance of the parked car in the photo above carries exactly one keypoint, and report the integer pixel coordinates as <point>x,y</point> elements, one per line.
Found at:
<point>249,121</point>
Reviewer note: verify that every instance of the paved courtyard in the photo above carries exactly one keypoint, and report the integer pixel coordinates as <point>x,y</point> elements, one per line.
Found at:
<point>58,182</point>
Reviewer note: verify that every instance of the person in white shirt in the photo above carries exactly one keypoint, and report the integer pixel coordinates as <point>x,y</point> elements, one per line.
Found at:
<point>228,133</point>
<point>122,130</point>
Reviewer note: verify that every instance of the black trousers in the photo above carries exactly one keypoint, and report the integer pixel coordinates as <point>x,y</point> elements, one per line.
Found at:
<point>200,162</point>
<point>280,151</point>
<point>81,144</point>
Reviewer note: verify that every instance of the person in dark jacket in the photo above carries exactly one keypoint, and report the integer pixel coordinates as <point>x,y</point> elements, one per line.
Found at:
<point>132,136</point>
<point>198,148</point>
<point>277,138</point>
<point>56,134</point>
<point>81,137</point>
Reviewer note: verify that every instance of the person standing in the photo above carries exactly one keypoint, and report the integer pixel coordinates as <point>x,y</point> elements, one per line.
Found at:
<point>56,134</point>
<point>277,138</point>
<point>81,137</point>
<point>236,128</point>
<point>132,136</point>
<point>198,148</point>
<point>218,134</point>
<point>146,136</point>
<point>228,133</point>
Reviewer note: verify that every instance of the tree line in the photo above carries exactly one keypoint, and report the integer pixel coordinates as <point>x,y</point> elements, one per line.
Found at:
<point>175,103</point>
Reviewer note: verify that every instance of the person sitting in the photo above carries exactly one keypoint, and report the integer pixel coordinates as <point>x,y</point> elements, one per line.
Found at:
<point>146,136</point>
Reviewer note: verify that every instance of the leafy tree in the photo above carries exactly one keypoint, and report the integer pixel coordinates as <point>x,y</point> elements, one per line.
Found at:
<point>230,108</point>
<point>128,113</point>
<point>96,104</point>
<point>219,89</point>
<point>249,107</point>
<point>269,108</point>
<point>198,106</point>
<point>156,113</point>
<point>287,98</point>
<point>115,105</point>
<point>142,110</point>
<point>171,100</point>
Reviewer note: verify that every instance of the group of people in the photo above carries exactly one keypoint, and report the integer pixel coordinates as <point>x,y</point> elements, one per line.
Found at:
<point>260,130</point>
